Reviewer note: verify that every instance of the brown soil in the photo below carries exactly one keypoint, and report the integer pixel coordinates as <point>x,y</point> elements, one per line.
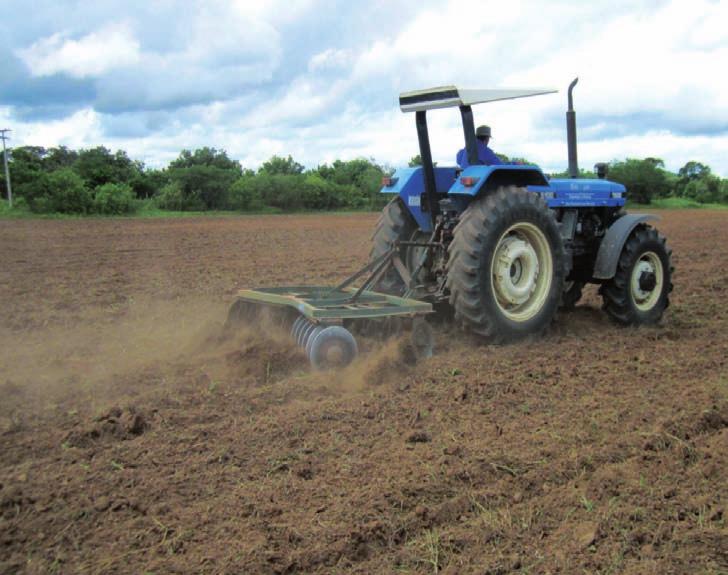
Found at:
<point>135,438</point>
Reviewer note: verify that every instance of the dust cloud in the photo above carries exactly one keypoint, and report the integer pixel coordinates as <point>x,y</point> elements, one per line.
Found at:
<point>161,346</point>
<point>92,358</point>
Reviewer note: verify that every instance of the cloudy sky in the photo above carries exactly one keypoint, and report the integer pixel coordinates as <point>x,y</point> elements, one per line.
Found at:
<point>319,80</point>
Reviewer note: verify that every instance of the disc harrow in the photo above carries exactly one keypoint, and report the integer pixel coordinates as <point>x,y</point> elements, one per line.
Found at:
<point>321,319</point>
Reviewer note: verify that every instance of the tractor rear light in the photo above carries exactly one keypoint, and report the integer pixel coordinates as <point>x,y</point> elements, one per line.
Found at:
<point>388,181</point>
<point>468,181</point>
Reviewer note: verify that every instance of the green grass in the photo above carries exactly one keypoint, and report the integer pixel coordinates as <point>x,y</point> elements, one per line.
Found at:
<point>146,209</point>
<point>149,210</point>
<point>20,211</point>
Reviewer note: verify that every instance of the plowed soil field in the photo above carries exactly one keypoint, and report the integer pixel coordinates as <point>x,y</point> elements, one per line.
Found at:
<point>135,438</point>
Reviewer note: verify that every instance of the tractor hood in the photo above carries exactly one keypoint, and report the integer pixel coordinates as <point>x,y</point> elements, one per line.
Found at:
<point>452,96</point>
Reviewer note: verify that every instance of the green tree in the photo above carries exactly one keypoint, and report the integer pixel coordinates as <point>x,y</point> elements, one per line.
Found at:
<point>705,189</point>
<point>244,194</point>
<point>205,157</point>
<point>60,157</point>
<point>695,180</point>
<point>644,179</point>
<point>693,171</point>
<point>172,197</point>
<point>209,184</point>
<point>98,166</point>
<point>148,182</point>
<point>318,193</point>
<point>277,166</point>
<point>362,176</point>
<point>416,161</point>
<point>61,191</point>
<point>25,165</point>
<point>202,180</point>
<point>114,199</point>
<point>585,174</point>
<point>508,160</point>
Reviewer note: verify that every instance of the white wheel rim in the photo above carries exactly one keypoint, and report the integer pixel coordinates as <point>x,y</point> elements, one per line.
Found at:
<point>644,296</point>
<point>521,270</point>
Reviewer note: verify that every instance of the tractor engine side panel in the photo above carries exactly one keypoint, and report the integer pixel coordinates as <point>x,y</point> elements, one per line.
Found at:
<point>577,193</point>
<point>410,185</point>
<point>558,193</point>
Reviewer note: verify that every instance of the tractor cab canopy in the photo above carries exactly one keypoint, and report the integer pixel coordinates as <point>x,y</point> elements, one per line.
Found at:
<point>451,96</point>
<point>420,101</point>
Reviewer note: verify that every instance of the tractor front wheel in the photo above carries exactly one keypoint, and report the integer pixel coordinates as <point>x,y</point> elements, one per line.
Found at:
<point>638,294</point>
<point>506,265</point>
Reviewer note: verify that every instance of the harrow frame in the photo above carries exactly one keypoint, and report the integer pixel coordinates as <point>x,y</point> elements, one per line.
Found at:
<point>345,301</point>
<point>319,317</point>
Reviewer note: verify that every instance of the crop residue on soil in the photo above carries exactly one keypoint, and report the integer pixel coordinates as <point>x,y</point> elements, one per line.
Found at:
<point>136,436</point>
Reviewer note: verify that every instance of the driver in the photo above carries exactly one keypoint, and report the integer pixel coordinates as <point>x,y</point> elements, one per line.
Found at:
<point>486,156</point>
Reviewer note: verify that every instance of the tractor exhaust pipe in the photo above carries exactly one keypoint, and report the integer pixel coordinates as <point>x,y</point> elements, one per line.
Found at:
<point>571,134</point>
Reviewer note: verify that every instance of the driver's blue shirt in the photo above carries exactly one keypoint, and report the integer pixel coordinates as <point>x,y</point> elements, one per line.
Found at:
<point>485,155</point>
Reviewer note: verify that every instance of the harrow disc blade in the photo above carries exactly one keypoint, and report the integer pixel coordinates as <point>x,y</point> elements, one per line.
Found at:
<point>332,347</point>
<point>422,339</point>
<point>240,313</point>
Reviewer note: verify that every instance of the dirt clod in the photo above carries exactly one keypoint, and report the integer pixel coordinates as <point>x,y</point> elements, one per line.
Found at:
<point>102,504</point>
<point>115,424</point>
<point>419,437</point>
<point>586,533</point>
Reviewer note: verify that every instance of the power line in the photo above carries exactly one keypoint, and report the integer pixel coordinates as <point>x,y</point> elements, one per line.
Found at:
<point>7,172</point>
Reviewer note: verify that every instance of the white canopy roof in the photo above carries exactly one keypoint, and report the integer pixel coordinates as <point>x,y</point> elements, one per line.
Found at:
<point>450,96</point>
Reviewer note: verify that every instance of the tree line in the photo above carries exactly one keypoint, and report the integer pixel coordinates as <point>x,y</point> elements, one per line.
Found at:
<point>99,181</point>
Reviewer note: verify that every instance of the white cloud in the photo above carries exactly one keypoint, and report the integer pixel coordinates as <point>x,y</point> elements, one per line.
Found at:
<point>81,129</point>
<point>329,59</point>
<point>92,55</point>
<point>261,78</point>
<point>273,11</point>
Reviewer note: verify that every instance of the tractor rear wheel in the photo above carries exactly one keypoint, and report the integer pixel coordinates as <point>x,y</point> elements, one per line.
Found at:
<point>395,224</point>
<point>638,294</point>
<point>506,266</point>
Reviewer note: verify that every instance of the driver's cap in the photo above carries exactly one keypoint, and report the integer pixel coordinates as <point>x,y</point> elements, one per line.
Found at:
<point>482,132</point>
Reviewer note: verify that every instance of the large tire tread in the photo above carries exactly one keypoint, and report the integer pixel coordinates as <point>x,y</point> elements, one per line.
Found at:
<point>394,224</point>
<point>482,219</point>
<point>617,301</point>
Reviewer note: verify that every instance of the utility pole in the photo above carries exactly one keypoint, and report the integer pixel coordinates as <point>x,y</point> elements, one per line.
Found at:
<point>7,172</point>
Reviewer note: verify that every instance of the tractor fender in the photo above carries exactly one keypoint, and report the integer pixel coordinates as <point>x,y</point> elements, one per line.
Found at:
<point>610,249</point>
<point>409,184</point>
<point>491,177</point>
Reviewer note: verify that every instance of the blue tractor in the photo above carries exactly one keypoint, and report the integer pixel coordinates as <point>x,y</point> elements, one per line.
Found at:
<point>503,247</point>
<point>500,247</point>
